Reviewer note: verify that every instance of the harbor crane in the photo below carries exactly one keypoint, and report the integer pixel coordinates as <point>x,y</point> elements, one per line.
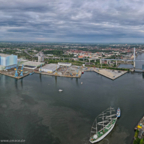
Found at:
<point>40,68</point>
<point>21,74</point>
<point>77,71</point>
<point>16,69</point>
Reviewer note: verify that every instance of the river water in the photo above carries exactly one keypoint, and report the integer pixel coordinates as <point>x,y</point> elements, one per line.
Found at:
<point>32,109</point>
<point>138,63</point>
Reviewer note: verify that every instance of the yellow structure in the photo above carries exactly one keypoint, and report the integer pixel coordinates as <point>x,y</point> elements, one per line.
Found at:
<point>139,127</point>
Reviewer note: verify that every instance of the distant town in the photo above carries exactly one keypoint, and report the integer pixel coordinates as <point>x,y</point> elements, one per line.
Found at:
<point>69,60</point>
<point>74,52</point>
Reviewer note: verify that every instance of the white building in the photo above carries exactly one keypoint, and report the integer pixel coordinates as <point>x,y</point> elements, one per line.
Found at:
<point>40,58</point>
<point>64,64</point>
<point>31,64</point>
<point>50,68</point>
<point>8,61</point>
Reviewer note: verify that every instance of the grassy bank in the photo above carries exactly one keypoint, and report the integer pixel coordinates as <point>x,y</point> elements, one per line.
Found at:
<point>136,139</point>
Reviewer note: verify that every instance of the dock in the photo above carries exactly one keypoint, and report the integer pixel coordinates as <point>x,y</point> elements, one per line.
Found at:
<point>70,72</point>
<point>64,71</point>
<point>11,73</point>
<point>111,74</point>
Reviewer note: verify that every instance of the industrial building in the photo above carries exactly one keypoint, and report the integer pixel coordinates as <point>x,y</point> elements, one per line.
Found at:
<point>8,61</point>
<point>31,64</point>
<point>49,68</point>
<point>64,64</point>
<point>40,57</point>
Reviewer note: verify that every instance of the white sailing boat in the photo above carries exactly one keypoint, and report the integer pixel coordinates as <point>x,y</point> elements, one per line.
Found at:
<point>60,90</point>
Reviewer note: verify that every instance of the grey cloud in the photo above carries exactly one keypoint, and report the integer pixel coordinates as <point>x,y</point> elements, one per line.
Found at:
<point>71,20</point>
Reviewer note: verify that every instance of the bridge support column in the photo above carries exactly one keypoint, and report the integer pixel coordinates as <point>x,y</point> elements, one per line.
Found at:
<point>100,61</point>
<point>89,60</point>
<point>95,60</point>
<point>108,61</point>
<point>116,63</point>
<point>134,58</point>
<point>63,58</point>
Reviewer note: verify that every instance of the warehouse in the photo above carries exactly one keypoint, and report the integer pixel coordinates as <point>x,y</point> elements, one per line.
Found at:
<point>64,64</point>
<point>50,68</point>
<point>8,61</point>
<point>31,64</point>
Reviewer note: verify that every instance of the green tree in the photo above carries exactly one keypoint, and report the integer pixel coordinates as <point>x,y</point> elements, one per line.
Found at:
<point>142,141</point>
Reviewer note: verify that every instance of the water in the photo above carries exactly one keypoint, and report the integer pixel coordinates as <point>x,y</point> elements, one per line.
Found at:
<point>138,63</point>
<point>128,66</point>
<point>32,109</point>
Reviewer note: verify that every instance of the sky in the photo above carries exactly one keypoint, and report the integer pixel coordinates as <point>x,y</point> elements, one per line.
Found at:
<point>118,21</point>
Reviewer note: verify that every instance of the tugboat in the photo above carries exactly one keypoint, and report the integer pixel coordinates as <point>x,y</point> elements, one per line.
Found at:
<point>118,113</point>
<point>103,125</point>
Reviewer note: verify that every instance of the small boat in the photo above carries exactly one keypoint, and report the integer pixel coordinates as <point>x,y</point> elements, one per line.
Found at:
<point>82,72</point>
<point>81,82</point>
<point>103,125</point>
<point>60,90</point>
<point>118,113</point>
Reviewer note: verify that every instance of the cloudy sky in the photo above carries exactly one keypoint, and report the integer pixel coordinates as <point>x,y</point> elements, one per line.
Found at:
<point>72,20</point>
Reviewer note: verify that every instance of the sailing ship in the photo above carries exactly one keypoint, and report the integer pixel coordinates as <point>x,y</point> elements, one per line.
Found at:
<point>103,125</point>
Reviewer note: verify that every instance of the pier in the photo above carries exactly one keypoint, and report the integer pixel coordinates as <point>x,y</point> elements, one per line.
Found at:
<point>64,71</point>
<point>11,73</point>
<point>111,74</point>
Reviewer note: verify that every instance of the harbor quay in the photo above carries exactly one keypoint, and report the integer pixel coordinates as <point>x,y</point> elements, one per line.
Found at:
<point>11,72</point>
<point>11,66</point>
<point>24,68</point>
<point>111,74</point>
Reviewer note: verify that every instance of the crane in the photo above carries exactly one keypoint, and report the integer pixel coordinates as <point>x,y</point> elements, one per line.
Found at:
<point>77,72</point>
<point>16,69</point>
<point>40,67</point>
<point>21,74</point>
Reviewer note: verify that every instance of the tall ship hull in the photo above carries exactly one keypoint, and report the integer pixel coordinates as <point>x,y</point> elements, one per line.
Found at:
<point>103,125</point>
<point>103,133</point>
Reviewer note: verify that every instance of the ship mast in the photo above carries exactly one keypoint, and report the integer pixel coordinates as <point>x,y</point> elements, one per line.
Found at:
<point>96,125</point>
<point>103,120</point>
<point>110,113</point>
